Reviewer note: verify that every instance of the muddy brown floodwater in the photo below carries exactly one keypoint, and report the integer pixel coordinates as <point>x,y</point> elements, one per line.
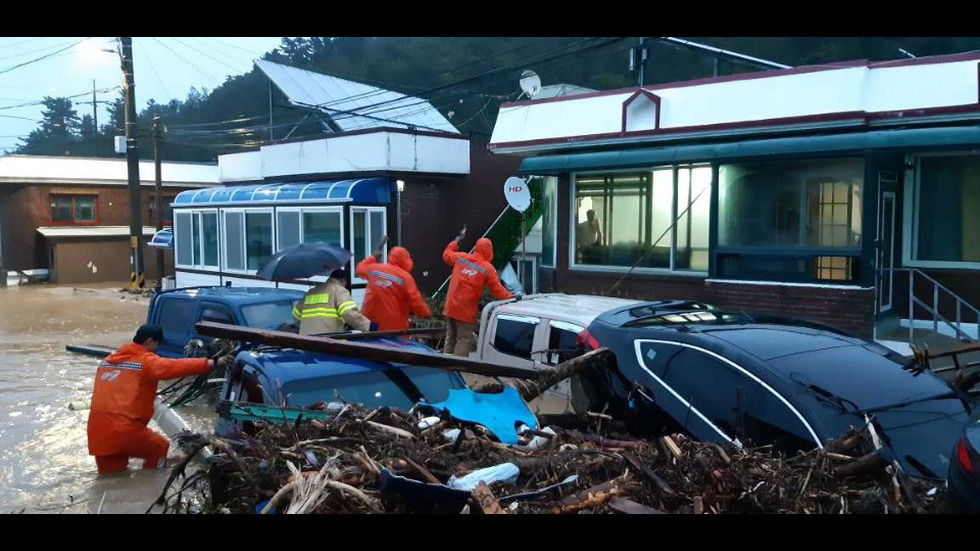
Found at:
<point>44,461</point>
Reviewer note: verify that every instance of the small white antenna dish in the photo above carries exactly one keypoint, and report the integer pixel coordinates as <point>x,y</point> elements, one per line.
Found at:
<point>530,83</point>
<point>517,194</point>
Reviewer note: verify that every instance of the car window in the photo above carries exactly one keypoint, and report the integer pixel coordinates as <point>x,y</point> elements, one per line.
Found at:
<point>515,335</point>
<point>268,315</point>
<point>175,318</point>
<point>217,313</point>
<point>656,355</point>
<point>371,388</point>
<point>712,387</point>
<point>434,384</point>
<point>734,402</point>
<point>561,337</point>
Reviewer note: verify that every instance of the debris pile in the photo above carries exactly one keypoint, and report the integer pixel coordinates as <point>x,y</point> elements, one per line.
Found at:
<point>389,461</point>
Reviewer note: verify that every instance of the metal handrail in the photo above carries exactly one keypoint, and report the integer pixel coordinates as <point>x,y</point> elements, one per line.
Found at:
<point>934,308</point>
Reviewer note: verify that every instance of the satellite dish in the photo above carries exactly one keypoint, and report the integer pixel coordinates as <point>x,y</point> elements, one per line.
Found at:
<point>530,83</point>
<point>517,194</point>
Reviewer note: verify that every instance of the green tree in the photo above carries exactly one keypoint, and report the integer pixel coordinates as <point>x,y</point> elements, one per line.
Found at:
<point>58,130</point>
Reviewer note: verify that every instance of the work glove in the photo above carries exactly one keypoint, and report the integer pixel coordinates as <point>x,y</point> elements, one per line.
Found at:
<point>225,361</point>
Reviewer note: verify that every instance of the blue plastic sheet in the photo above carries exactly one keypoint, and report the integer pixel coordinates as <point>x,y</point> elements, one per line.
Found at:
<point>499,413</point>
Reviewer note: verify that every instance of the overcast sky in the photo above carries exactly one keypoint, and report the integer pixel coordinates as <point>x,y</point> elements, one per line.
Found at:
<point>164,68</point>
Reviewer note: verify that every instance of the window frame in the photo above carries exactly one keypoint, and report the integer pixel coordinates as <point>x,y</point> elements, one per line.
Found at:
<point>371,241</point>
<point>534,322</point>
<point>73,197</point>
<point>198,244</point>
<point>574,265</point>
<point>911,213</point>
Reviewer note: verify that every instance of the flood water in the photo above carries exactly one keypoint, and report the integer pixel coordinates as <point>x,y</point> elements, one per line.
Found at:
<point>44,461</point>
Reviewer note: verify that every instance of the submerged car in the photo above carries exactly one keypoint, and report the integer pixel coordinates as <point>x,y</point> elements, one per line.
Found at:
<point>964,471</point>
<point>741,379</point>
<point>276,385</point>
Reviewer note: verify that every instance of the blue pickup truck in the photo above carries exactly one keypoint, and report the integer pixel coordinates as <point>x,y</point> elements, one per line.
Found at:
<point>177,310</point>
<point>274,384</point>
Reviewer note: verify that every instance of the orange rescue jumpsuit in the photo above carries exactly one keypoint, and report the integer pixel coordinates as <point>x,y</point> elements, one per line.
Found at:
<point>122,406</point>
<point>471,272</point>
<point>391,291</point>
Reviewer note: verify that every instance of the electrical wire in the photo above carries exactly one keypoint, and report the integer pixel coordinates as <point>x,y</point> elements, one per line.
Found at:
<point>178,41</point>
<point>185,60</point>
<point>153,67</point>
<point>42,58</point>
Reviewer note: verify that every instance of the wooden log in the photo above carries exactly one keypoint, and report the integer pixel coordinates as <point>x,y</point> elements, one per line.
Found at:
<point>606,442</point>
<point>550,377</point>
<point>629,507</point>
<point>868,464</point>
<point>486,503</point>
<point>379,353</point>
<point>590,497</point>
<point>659,483</point>
<point>672,446</point>
<point>698,505</point>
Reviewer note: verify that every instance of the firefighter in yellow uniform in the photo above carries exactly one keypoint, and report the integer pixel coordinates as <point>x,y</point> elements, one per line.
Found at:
<point>329,308</point>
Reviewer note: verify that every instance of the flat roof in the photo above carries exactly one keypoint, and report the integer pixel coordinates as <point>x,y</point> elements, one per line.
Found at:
<point>45,169</point>
<point>90,231</point>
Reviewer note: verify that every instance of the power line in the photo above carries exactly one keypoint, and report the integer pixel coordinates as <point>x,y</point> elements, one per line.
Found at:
<point>204,54</point>
<point>229,56</point>
<point>22,42</point>
<point>46,56</point>
<point>154,69</point>
<point>196,68</point>
<point>39,102</point>
<point>34,51</point>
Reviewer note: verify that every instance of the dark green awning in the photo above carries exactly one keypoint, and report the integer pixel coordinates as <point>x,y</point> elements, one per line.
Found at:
<point>944,137</point>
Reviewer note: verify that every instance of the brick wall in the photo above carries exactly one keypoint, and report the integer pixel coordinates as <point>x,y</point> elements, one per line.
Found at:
<point>434,210</point>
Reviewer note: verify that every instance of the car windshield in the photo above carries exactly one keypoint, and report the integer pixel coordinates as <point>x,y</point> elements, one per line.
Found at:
<point>918,415</point>
<point>268,315</point>
<point>373,388</point>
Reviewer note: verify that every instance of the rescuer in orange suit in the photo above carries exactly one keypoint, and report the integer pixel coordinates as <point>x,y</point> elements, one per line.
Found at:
<point>391,290</point>
<point>471,272</point>
<point>122,401</point>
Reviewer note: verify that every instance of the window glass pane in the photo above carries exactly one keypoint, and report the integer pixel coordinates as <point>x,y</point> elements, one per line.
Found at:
<point>360,234</point>
<point>175,319</point>
<point>948,193</point>
<point>813,203</point>
<point>549,220</point>
<point>514,337</point>
<point>85,209</point>
<point>322,226</point>
<point>287,229</point>
<point>769,421</point>
<point>377,230</point>
<point>185,238</point>
<point>612,221</point>
<point>209,226</point>
<point>61,208</point>
<point>712,387</point>
<point>216,313</point>
<point>258,239</point>
<point>693,214</point>
<point>234,237</point>
<point>196,237</point>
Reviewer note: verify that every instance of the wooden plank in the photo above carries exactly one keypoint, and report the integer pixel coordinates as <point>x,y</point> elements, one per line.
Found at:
<point>94,350</point>
<point>366,351</point>
<point>629,507</point>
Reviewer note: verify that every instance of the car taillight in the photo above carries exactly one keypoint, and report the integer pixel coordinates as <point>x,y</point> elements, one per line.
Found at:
<point>963,456</point>
<point>586,341</point>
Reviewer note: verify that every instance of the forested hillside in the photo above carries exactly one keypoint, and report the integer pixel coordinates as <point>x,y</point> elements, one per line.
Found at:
<point>466,78</point>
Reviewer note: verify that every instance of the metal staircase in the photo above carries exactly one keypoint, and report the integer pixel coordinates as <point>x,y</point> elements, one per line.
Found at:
<point>930,304</point>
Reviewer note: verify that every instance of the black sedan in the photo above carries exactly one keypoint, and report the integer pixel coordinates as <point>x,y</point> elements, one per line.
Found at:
<point>744,379</point>
<point>964,471</point>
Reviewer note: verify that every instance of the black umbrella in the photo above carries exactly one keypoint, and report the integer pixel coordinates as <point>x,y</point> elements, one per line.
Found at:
<point>304,260</point>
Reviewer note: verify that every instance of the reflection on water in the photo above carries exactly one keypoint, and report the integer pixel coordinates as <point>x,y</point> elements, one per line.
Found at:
<point>44,461</point>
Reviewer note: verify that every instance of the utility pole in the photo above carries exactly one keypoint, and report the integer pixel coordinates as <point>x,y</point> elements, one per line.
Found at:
<point>159,193</point>
<point>136,278</point>
<point>95,109</point>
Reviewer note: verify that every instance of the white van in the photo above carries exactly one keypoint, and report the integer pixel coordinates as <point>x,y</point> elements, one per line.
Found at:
<point>530,332</point>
